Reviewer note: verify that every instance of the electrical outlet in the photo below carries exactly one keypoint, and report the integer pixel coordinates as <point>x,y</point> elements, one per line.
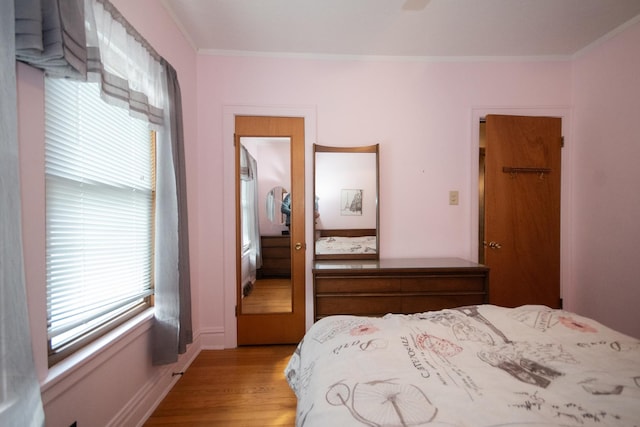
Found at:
<point>453,197</point>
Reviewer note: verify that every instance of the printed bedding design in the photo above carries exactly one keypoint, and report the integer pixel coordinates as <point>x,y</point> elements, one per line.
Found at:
<point>346,245</point>
<point>471,366</point>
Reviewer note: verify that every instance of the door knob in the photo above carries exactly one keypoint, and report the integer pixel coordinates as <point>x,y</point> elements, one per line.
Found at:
<point>494,245</point>
<point>298,246</point>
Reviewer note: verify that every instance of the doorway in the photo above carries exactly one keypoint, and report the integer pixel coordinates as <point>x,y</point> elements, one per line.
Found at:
<point>270,246</point>
<point>519,208</point>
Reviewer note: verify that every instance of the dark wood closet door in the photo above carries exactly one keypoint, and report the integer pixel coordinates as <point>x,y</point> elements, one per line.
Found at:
<point>522,209</point>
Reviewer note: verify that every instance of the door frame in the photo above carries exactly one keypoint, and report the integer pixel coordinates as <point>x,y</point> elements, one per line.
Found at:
<point>563,112</point>
<point>278,327</point>
<point>228,336</point>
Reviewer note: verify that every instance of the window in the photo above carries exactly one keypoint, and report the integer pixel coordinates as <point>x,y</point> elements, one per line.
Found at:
<point>247,211</point>
<point>100,196</point>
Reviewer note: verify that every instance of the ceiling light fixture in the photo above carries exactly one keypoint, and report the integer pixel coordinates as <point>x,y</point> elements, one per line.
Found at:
<point>415,5</point>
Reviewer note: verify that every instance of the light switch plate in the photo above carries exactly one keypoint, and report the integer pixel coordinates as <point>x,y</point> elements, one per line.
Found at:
<point>453,197</point>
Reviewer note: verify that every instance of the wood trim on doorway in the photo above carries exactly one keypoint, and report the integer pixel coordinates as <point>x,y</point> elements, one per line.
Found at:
<point>277,328</point>
<point>219,300</point>
<point>478,113</point>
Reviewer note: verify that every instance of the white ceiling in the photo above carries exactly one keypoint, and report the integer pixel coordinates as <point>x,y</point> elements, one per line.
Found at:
<point>400,28</point>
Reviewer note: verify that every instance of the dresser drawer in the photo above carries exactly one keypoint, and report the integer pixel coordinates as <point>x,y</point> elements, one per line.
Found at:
<point>336,284</point>
<point>354,284</point>
<point>379,305</point>
<point>276,257</point>
<point>276,241</point>
<point>283,252</point>
<point>357,305</point>
<point>397,286</point>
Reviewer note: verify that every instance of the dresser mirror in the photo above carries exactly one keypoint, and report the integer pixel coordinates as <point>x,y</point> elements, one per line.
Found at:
<point>346,194</point>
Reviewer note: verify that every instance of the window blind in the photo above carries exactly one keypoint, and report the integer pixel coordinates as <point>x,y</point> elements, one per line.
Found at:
<point>100,193</point>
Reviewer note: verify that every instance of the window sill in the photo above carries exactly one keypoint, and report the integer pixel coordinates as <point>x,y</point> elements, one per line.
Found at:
<point>85,360</point>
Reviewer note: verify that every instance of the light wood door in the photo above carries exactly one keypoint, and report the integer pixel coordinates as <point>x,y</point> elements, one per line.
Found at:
<point>285,327</point>
<point>522,209</point>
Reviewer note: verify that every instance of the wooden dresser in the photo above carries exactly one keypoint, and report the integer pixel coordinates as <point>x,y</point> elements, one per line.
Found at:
<point>276,257</point>
<point>375,288</point>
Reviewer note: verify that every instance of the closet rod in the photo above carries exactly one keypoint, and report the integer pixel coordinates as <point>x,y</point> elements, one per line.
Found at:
<point>507,169</point>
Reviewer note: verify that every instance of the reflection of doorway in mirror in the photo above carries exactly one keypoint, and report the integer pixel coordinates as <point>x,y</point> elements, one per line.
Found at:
<point>351,202</point>
<point>265,258</point>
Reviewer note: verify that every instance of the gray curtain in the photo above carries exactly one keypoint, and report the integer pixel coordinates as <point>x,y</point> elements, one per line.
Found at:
<point>20,403</point>
<point>173,327</point>
<point>177,145</point>
<point>255,222</point>
<point>250,215</point>
<point>61,38</point>
<point>122,84</point>
<point>52,35</point>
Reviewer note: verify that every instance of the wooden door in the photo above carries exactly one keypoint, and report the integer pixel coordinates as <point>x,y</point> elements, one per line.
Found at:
<point>522,209</point>
<point>285,327</point>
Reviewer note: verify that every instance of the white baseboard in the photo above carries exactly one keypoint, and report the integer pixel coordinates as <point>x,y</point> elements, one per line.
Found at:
<point>212,339</point>
<point>147,399</point>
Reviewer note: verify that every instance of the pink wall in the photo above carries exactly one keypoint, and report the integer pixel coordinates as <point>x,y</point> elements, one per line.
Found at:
<point>421,113</point>
<point>606,198</point>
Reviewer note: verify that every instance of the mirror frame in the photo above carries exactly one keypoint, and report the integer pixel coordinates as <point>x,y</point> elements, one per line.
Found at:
<point>375,149</point>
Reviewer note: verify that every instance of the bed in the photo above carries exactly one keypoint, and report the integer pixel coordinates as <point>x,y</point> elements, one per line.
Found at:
<point>346,245</point>
<point>478,365</point>
<point>337,242</point>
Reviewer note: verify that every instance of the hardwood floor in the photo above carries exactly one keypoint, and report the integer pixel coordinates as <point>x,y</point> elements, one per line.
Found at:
<point>269,296</point>
<point>235,387</point>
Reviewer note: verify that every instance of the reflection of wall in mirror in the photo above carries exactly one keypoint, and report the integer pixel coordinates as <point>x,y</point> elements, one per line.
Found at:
<point>274,169</point>
<point>336,172</point>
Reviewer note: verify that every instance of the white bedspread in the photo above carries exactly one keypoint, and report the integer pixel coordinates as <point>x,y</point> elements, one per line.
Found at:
<point>472,366</point>
<point>346,245</point>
